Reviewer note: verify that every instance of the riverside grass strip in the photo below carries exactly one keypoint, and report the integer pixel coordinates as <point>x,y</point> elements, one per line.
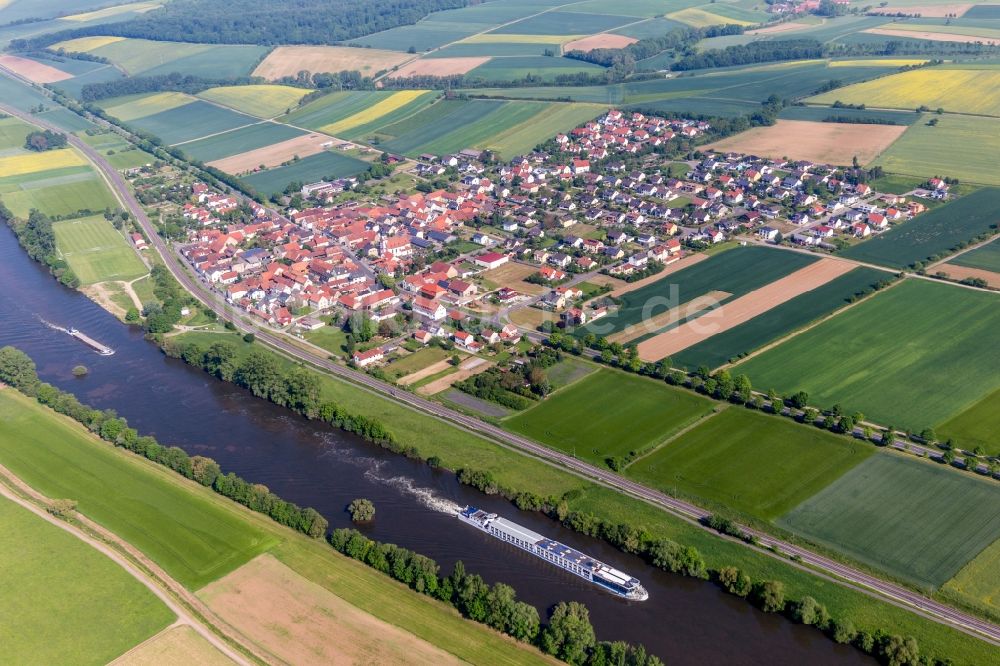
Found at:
<point>193,539</point>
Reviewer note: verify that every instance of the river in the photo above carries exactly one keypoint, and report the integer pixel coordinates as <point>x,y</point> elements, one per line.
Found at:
<point>684,621</point>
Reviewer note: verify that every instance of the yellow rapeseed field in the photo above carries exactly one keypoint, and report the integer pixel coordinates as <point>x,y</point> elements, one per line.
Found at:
<point>85,44</point>
<point>16,165</point>
<point>374,112</point>
<point>956,90</point>
<point>699,18</point>
<point>878,62</point>
<point>263,101</point>
<point>131,108</point>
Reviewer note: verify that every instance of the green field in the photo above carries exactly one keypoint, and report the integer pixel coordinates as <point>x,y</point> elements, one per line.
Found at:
<point>262,101</point>
<point>47,575</point>
<point>751,462</point>
<point>335,107</point>
<point>976,427</point>
<point>519,67</point>
<point>737,272</point>
<point>192,121</point>
<point>193,539</point>
<point>933,233</point>
<point>821,113</point>
<point>977,582</point>
<point>13,133</point>
<point>917,520</point>
<point>913,356</point>
<point>150,58</point>
<point>962,147</point>
<point>986,257</point>
<point>584,420</point>
<point>778,321</point>
<point>96,251</point>
<point>565,23</point>
<point>56,192</point>
<point>239,141</point>
<point>307,170</point>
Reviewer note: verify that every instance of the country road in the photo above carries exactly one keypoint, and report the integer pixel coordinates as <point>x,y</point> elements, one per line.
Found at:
<point>870,584</point>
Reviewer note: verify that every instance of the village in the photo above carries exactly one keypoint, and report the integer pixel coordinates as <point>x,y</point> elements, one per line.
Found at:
<point>510,252</point>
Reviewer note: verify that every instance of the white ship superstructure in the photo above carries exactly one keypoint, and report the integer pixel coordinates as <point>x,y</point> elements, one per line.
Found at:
<point>561,555</point>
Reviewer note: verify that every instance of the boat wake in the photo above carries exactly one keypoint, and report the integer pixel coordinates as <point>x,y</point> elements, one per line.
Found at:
<point>425,496</point>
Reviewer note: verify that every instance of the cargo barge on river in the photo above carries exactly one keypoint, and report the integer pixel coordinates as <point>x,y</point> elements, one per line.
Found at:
<point>597,572</point>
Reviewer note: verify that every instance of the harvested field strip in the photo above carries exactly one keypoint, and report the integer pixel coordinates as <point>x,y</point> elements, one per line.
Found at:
<point>439,66</point>
<point>35,72</point>
<point>601,41</point>
<point>469,367</point>
<point>114,10</point>
<point>49,574</point>
<point>957,272</point>
<point>579,419</point>
<point>781,320</point>
<point>829,143</point>
<point>139,106</point>
<point>886,356</point>
<point>985,256</point>
<point>432,369</point>
<point>273,155</point>
<point>34,162</point>
<point>243,140</point>
<point>85,44</point>
<point>743,309</point>
<point>194,538</point>
<point>732,459</point>
<point>680,264</point>
<point>737,271</point>
<point>382,108</point>
<point>262,101</point>
<point>300,622</point>
<point>290,60</point>
<point>873,514</point>
<point>692,308</point>
<point>177,646</point>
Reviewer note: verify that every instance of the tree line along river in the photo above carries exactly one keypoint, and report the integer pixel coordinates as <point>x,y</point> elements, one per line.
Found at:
<point>685,621</point>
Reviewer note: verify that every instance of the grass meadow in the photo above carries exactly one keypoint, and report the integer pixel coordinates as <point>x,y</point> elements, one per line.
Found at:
<point>931,233</point>
<point>963,147</point>
<point>778,321</point>
<point>194,540</point>
<point>874,514</point>
<point>755,463</point>
<point>912,356</point>
<point>96,251</point>
<point>49,574</point>
<point>584,420</point>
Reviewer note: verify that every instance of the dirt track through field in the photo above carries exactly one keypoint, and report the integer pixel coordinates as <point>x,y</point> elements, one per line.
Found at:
<point>33,71</point>
<point>956,272</point>
<point>469,367</point>
<point>431,369</point>
<point>275,154</point>
<point>743,309</point>
<point>669,317</point>
<point>439,67</point>
<point>689,260</point>
<point>300,622</point>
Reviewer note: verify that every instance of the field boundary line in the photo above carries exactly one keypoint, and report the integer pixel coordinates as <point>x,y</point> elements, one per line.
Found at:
<point>209,136</point>
<point>799,331</point>
<point>171,593</point>
<point>680,433</point>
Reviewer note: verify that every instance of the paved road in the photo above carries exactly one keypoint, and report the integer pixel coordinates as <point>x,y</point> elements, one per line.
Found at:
<point>880,588</point>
